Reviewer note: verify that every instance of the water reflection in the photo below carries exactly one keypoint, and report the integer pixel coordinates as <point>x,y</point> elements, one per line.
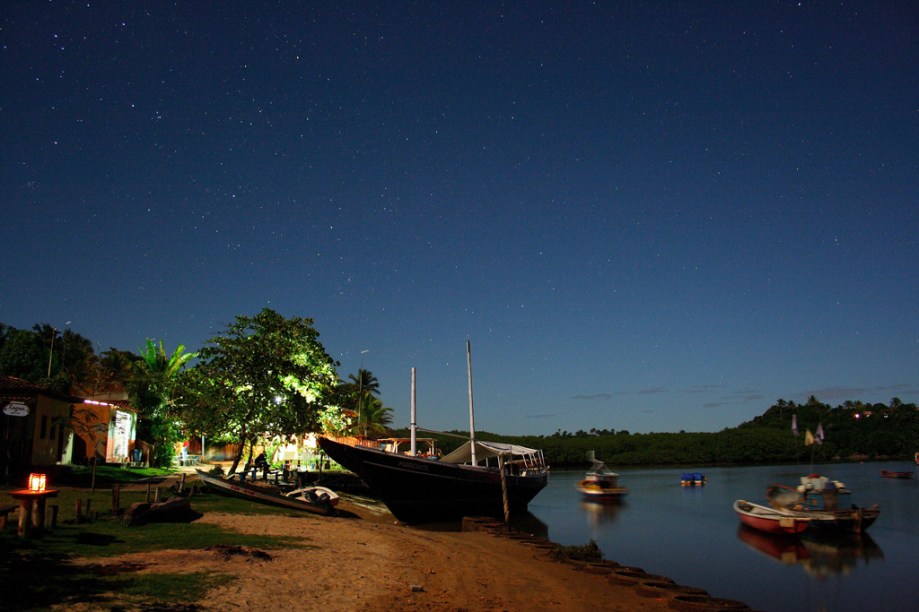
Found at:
<point>602,512</point>
<point>819,555</point>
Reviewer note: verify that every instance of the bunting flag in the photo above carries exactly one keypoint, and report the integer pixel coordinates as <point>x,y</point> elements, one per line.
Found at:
<point>819,436</point>
<point>809,438</point>
<point>794,424</point>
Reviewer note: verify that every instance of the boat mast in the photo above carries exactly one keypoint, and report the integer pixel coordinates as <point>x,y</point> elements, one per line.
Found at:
<point>414,425</point>
<point>471,411</point>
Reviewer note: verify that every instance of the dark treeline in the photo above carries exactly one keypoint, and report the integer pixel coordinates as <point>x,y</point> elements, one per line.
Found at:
<point>850,431</point>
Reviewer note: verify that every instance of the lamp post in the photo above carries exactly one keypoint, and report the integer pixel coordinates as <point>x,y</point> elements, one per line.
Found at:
<point>51,351</point>
<point>360,388</point>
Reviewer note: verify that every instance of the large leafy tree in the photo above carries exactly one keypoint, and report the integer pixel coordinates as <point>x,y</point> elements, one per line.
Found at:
<point>264,376</point>
<point>154,390</point>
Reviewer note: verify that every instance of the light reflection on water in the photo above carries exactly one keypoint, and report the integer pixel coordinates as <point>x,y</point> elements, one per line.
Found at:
<point>692,535</point>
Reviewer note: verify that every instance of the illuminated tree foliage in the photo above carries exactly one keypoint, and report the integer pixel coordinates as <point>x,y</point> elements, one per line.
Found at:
<point>264,376</point>
<point>154,390</point>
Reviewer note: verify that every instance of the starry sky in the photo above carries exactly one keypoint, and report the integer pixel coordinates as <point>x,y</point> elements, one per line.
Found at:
<point>645,216</point>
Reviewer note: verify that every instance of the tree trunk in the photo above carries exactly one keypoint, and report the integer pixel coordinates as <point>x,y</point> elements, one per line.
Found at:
<point>239,452</point>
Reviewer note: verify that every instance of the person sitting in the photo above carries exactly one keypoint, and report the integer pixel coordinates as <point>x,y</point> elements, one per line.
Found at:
<point>261,462</point>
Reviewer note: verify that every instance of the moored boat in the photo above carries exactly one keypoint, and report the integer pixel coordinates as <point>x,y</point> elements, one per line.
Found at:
<point>477,479</point>
<point>896,474</point>
<point>770,520</point>
<point>318,500</point>
<point>419,489</point>
<point>692,479</point>
<point>601,484</point>
<point>820,506</point>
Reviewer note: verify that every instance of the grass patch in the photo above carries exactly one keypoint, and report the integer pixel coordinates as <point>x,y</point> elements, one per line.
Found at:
<point>589,552</point>
<point>35,573</point>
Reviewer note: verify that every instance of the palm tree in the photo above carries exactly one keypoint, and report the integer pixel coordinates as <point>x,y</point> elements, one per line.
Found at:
<point>377,417</point>
<point>152,390</point>
<point>367,386</point>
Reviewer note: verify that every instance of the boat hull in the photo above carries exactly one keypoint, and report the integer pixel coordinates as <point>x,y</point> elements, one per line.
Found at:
<point>845,521</point>
<point>261,494</point>
<point>421,490</point>
<point>593,492</point>
<point>768,520</point>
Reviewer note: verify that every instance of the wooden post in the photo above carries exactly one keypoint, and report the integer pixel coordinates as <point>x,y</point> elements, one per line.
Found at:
<point>78,511</point>
<point>53,516</point>
<point>507,509</point>
<point>116,499</point>
<point>25,518</point>
<point>148,493</point>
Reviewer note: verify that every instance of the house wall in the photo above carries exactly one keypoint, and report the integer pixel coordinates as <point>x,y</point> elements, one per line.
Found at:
<point>50,436</point>
<point>91,425</point>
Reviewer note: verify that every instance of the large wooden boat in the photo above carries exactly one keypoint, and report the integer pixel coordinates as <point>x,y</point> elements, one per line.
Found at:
<point>318,500</point>
<point>477,479</point>
<point>419,489</point>
<point>770,520</point>
<point>820,506</point>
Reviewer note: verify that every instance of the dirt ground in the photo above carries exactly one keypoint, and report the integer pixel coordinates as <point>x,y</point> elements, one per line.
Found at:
<point>368,562</point>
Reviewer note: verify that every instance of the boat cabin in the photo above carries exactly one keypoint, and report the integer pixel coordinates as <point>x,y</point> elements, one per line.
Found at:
<point>424,447</point>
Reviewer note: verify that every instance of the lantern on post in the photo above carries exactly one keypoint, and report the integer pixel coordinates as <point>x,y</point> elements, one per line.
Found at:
<point>37,482</point>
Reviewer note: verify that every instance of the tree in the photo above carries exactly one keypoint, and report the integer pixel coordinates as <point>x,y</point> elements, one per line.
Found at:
<point>84,422</point>
<point>264,376</point>
<point>153,389</point>
<point>376,417</point>
<point>24,355</point>
<point>359,393</point>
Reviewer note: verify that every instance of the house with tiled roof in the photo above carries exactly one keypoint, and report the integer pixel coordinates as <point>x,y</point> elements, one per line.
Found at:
<point>40,427</point>
<point>34,428</point>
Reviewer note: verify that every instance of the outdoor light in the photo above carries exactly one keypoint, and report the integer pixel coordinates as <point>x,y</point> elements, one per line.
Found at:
<point>37,482</point>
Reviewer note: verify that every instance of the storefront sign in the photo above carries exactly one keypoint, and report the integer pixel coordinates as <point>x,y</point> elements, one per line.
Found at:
<point>16,409</point>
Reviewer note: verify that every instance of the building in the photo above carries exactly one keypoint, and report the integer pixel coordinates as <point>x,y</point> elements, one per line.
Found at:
<point>34,428</point>
<point>39,427</point>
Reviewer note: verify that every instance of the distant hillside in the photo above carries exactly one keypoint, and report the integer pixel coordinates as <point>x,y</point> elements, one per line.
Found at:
<point>850,431</point>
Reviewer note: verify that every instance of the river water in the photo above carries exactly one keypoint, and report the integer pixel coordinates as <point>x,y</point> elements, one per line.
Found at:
<point>693,536</point>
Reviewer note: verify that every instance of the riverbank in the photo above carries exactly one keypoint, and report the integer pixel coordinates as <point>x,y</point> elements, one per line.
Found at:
<point>364,560</point>
<point>370,563</point>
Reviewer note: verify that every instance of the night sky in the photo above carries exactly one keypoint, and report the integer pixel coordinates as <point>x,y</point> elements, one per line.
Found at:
<point>645,216</point>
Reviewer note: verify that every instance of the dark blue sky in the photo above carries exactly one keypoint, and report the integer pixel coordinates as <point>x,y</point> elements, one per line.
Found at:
<point>649,216</point>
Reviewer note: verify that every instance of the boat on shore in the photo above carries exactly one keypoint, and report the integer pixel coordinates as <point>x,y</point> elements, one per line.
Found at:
<point>821,507</point>
<point>770,520</point>
<point>477,479</point>
<point>318,500</point>
<point>467,482</point>
<point>601,484</point>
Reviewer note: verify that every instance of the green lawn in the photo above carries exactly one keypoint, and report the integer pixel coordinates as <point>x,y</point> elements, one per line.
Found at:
<point>34,573</point>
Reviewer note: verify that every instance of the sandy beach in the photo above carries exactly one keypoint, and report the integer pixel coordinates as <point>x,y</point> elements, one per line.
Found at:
<point>365,561</point>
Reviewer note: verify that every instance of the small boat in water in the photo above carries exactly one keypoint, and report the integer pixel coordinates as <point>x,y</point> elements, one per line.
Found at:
<point>770,520</point>
<point>820,506</point>
<point>601,484</point>
<point>896,474</point>
<point>319,500</point>
<point>692,479</point>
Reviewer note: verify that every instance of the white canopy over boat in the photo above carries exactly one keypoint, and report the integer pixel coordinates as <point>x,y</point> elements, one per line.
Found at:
<point>486,450</point>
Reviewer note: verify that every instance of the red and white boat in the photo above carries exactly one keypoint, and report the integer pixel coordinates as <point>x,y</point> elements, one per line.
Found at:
<point>770,520</point>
